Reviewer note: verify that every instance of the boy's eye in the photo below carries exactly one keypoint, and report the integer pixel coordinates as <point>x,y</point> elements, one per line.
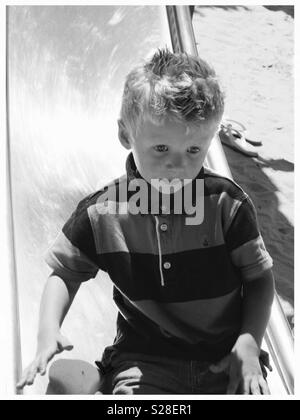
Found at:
<point>161,148</point>
<point>193,149</point>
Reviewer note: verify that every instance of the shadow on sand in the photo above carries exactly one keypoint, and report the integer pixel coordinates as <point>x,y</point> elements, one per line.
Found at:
<point>276,229</point>
<point>289,10</point>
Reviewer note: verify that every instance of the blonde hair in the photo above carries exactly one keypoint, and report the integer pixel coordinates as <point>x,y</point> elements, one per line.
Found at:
<point>177,86</point>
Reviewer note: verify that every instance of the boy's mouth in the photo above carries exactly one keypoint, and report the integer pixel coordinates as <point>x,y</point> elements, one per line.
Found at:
<point>170,185</point>
<point>175,180</point>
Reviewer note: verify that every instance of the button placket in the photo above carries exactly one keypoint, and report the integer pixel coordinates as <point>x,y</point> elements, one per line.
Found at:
<point>164,233</point>
<point>165,243</point>
<point>159,251</point>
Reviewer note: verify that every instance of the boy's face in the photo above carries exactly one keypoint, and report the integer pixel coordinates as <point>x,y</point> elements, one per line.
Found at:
<point>171,150</point>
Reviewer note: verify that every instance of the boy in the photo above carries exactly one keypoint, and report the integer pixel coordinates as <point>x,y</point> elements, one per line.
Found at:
<point>194,299</point>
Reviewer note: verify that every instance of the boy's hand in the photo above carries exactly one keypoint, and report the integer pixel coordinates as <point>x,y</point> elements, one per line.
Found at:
<point>48,347</point>
<point>244,368</point>
<point>245,373</point>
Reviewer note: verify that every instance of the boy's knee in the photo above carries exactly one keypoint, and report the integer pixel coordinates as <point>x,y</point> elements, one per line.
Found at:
<point>73,377</point>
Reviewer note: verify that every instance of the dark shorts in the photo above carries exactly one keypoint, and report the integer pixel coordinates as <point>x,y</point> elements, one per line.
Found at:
<point>133,373</point>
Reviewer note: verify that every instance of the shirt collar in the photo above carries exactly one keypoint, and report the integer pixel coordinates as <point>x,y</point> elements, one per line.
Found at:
<point>133,173</point>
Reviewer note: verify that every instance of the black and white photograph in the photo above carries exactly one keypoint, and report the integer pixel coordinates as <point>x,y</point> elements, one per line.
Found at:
<point>147,170</point>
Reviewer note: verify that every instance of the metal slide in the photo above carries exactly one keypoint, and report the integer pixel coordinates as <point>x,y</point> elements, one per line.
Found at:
<point>66,69</point>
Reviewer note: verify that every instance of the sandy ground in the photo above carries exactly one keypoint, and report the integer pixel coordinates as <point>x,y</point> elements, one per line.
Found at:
<point>251,49</point>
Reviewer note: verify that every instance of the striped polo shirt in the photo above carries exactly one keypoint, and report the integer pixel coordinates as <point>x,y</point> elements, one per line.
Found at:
<point>178,287</point>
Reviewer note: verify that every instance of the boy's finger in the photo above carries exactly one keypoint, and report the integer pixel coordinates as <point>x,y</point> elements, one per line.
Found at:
<point>267,365</point>
<point>254,387</point>
<point>264,371</point>
<point>31,379</point>
<point>245,388</point>
<point>270,368</point>
<point>43,366</point>
<point>23,381</point>
<point>64,344</point>
<point>265,358</point>
<point>264,387</point>
<point>31,375</point>
<point>42,370</point>
<point>69,347</point>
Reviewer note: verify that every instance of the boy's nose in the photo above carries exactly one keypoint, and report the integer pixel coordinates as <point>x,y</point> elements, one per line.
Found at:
<point>176,162</point>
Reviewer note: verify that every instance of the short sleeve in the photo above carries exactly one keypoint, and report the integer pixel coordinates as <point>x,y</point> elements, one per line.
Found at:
<point>245,243</point>
<point>72,255</point>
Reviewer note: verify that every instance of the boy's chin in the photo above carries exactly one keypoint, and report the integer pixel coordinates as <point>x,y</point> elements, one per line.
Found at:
<point>169,186</point>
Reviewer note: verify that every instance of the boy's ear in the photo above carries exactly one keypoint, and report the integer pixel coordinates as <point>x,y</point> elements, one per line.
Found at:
<point>124,135</point>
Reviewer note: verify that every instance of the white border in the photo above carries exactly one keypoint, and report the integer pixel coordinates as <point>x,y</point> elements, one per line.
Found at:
<point>5,334</point>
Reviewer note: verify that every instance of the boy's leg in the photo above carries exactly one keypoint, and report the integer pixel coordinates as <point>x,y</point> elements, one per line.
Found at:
<point>205,381</point>
<point>69,376</point>
<point>142,374</point>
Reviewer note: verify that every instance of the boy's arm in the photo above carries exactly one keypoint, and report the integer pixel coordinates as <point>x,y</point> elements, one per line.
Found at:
<point>56,300</point>
<point>245,371</point>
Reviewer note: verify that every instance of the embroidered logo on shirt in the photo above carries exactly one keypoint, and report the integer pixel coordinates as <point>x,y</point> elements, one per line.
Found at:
<point>205,242</point>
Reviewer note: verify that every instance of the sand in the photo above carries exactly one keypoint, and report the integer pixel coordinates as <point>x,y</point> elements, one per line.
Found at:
<point>251,49</point>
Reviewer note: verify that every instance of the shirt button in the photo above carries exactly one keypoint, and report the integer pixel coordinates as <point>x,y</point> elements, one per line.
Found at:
<point>167,265</point>
<point>163,227</point>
